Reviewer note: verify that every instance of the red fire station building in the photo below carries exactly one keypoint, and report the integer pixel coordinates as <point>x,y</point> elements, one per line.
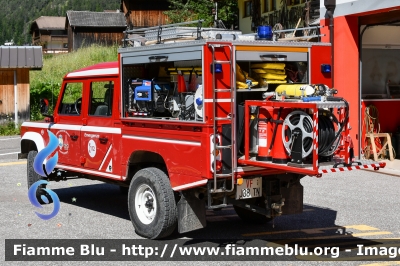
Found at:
<point>366,44</point>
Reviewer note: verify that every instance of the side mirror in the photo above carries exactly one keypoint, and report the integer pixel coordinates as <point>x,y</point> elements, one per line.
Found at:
<point>44,109</point>
<point>44,106</point>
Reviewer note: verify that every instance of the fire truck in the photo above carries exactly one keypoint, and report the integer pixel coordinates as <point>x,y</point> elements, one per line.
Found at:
<point>194,119</point>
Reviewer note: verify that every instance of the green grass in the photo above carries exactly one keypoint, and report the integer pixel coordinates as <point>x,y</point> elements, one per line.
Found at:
<point>46,83</point>
<point>9,129</point>
<point>55,67</point>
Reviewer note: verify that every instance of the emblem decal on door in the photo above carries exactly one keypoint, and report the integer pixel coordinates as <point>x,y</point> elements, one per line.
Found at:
<point>63,143</point>
<point>92,148</point>
<point>109,167</point>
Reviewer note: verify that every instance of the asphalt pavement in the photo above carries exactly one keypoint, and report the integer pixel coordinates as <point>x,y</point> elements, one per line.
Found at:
<point>9,147</point>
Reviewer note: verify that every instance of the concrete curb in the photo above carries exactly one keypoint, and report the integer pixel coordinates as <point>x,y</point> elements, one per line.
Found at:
<point>385,171</point>
<point>10,137</point>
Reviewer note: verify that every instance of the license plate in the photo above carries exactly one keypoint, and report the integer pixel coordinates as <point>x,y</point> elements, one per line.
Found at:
<point>250,188</point>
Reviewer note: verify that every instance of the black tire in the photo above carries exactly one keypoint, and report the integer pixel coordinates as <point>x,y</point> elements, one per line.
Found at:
<point>252,217</point>
<point>156,217</point>
<point>33,177</point>
<point>123,190</point>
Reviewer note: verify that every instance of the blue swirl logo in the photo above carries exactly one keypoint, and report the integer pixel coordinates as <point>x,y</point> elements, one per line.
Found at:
<point>44,169</point>
<point>35,202</point>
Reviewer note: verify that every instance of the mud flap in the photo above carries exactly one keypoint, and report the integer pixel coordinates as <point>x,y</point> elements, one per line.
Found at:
<point>293,199</point>
<point>191,213</point>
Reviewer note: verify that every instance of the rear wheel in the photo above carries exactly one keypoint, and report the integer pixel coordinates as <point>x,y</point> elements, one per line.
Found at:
<point>250,216</point>
<point>33,177</point>
<point>151,203</point>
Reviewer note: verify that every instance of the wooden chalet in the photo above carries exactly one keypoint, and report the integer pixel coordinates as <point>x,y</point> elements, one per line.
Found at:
<point>86,28</point>
<point>50,33</point>
<point>144,13</point>
<point>15,64</point>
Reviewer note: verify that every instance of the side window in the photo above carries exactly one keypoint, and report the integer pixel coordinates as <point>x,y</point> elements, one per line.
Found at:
<point>273,5</point>
<point>101,94</point>
<point>71,102</point>
<point>266,5</point>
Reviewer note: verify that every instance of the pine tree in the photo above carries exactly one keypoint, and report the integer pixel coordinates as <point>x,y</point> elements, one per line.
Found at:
<point>16,16</point>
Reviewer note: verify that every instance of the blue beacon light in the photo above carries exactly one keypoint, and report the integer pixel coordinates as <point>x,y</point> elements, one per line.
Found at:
<point>326,68</point>
<point>218,68</point>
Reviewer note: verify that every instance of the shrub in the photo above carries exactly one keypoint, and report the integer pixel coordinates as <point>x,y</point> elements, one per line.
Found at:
<point>46,82</point>
<point>9,128</point>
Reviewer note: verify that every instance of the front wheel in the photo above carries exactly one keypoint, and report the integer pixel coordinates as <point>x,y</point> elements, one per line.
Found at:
<point>33,177</point>
<point>151,204</point>
<point>123,190</point>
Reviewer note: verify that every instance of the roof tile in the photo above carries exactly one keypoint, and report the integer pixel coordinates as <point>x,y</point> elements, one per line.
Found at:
<point>21,57</point>
<point>50,23</point>
<point>96,19</point>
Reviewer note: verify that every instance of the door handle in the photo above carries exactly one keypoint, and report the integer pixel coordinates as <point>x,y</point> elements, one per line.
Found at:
<point>103,140</point>
<point>74,137</point>
<point>274,56</point>
<point>158,57</point>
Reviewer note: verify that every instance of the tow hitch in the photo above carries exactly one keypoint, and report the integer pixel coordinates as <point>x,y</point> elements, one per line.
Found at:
<point>277,207</point>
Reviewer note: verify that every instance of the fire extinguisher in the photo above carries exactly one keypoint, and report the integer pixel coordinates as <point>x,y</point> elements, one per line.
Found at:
<point>264,133</point>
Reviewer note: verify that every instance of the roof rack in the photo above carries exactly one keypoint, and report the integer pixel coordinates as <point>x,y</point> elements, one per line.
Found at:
<point>169,31</point>
<point>276,34</point>
<point>174,33</point>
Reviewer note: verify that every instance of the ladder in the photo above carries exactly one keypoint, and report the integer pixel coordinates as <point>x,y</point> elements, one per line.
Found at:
<point>230,117</point>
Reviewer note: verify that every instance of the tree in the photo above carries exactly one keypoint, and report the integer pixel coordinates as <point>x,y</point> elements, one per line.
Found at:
<point>16,16</point>
<point>187,10</point>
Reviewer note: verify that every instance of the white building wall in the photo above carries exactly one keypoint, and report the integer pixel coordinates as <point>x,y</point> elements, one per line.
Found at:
<point>244,22</point>
<point>381,37</point>
<point>349,7</point>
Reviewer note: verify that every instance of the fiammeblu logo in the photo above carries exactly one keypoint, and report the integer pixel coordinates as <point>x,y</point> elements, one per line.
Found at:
<point>43,169</point>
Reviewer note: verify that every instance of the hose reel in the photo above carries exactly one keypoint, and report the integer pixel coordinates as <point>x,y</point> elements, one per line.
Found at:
<point>328,134</point>
<point>297,134</point>
<point>297,126</point>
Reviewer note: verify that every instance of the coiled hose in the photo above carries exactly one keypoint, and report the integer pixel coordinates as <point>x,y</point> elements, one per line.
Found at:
<point>328,139</point>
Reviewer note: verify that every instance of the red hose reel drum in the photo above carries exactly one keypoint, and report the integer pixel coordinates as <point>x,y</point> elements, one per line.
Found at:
<point>298,120</point>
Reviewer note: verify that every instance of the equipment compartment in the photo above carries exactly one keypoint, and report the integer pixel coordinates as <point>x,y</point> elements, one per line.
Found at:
<point>164,90</point>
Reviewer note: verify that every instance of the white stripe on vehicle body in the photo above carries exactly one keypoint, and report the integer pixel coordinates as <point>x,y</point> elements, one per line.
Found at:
<point>35,124</point>
<point>94,72</point>
<point>52,126</point>
<point>64,167</point>
<point>114,130</point>
<point>66,126</point>
<point>173,141</point>
<point>194,184</point>
<point>105,157</point>
<point>226,100</point>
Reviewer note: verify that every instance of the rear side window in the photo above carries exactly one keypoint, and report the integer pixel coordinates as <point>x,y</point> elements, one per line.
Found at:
<point>101,98</point>
<point>71,102</point>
